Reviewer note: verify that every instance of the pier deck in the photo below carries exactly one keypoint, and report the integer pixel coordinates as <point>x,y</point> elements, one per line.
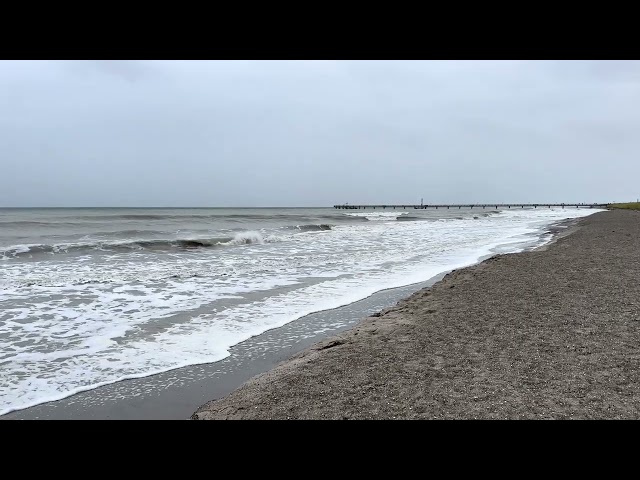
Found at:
<point>346,206</point>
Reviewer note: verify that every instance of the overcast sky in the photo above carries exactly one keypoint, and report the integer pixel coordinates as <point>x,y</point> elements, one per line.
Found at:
<point>315,133</point>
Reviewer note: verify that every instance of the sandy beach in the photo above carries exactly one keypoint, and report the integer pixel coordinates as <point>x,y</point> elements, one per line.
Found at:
<point>547,334</point>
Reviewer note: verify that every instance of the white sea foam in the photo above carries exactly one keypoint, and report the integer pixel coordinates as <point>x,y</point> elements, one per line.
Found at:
<point>13,250</point>
<point>69,325</point>
<point>245,238</point>
<point>377,215</point>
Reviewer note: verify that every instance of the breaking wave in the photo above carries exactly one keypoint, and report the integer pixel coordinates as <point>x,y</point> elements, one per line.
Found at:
<point>310,228</point>
<point>246,238</point>
<point>179,244</point>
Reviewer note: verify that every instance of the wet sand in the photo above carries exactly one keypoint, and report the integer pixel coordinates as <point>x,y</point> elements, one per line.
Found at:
<point>552,333</point>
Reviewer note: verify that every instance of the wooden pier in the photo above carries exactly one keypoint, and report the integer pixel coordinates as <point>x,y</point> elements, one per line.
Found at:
<point>346,206</point>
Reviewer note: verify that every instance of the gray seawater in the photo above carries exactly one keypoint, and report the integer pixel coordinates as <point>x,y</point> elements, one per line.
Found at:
<point>92,296</point>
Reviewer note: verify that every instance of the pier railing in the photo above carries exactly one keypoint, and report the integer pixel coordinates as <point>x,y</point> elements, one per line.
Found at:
<point>346,206</point>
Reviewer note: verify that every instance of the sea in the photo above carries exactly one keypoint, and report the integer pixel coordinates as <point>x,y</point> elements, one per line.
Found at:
<point>93,296</point>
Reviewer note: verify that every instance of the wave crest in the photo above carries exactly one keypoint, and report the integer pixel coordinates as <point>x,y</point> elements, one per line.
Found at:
<point>159,245</point>
<point>311,228</point>
<point>246,238</point>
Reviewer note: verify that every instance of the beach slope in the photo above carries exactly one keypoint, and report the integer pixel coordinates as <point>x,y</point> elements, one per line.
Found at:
<point>553,333</point>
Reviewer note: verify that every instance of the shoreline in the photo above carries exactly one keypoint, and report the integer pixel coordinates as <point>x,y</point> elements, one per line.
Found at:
<point>175,394</point>
<point>173,390</point>
<point>546,333</point>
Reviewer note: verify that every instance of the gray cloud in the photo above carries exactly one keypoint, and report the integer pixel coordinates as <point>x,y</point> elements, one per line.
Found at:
<point>130,71</point>
<point>242,133</point>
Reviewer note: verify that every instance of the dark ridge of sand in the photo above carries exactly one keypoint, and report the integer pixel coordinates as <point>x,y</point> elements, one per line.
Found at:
<point>549,334</point>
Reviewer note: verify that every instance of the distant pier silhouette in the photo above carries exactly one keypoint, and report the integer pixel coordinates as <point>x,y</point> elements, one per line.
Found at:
<point>422,206</point>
